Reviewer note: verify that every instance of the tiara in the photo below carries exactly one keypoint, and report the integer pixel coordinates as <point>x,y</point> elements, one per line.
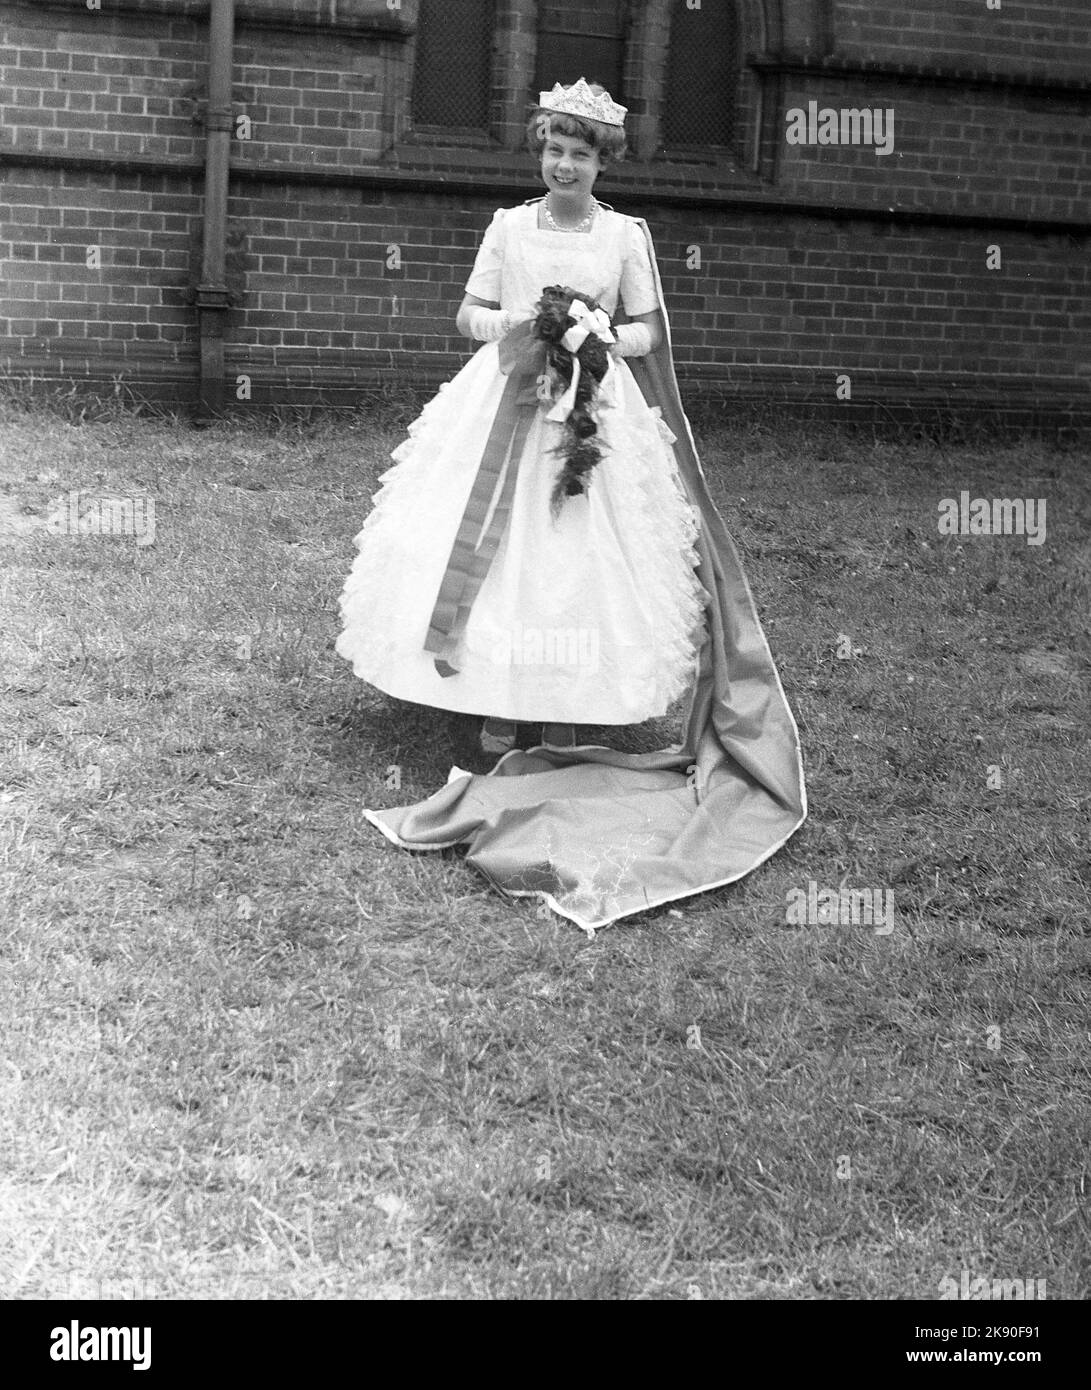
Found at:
<point>580,100</point>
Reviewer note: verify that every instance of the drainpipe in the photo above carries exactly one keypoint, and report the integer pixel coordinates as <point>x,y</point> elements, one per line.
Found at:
<point>212,296</point>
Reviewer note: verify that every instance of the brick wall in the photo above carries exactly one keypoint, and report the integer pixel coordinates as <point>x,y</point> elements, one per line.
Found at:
<point>324,113</point>
<point>100,83</point>
<point>1048,37</point>
<point>131,309</point>
<point>804,275</point>
<point>952,150</point>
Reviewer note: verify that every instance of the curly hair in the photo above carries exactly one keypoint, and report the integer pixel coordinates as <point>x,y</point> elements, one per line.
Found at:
<point>608,140</point>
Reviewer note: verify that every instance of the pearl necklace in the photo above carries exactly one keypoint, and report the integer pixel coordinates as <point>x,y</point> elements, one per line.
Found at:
<point>579,227</point>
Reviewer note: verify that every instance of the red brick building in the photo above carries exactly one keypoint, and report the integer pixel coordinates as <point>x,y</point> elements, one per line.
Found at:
<point>943,267</point>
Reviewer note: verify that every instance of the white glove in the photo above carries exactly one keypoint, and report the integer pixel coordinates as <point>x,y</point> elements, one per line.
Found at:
<point>488,325</point>
<point>633,340</point>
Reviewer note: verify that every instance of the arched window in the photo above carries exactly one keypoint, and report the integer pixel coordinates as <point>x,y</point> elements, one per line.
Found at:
<point>582,38</point>
<point>700,94</point>
<point>452,80</point>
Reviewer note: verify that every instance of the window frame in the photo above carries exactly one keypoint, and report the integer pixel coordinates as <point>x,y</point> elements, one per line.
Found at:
<point>722,155</point>
<point>428,132</point>
<point>623,39</point>
<point>499,148</point>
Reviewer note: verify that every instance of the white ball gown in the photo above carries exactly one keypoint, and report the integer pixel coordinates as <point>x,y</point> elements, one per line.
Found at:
<point>592,617</point>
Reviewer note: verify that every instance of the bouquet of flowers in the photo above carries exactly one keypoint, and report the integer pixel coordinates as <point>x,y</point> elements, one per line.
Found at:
<point>576,334</point>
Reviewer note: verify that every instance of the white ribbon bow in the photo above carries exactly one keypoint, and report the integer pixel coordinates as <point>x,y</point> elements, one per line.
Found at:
<point>588,321</point>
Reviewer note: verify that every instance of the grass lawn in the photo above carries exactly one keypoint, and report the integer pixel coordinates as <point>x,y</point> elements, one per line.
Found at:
<point>249,1049</point>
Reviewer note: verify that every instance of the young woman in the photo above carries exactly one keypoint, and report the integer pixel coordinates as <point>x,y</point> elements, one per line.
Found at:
<point>541,552</point>
<point>588,616</point>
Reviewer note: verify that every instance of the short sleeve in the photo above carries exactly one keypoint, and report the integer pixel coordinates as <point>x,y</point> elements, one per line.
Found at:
<point>484,281</point>
<point>638,291</point>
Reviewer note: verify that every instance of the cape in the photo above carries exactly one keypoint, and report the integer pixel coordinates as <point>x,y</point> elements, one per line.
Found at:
<point>599,835</point>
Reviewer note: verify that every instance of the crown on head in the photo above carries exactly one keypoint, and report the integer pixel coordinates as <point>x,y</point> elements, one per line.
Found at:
<point>580,100</point>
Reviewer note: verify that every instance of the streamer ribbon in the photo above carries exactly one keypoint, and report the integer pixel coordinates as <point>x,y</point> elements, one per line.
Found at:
<point>523,361</point>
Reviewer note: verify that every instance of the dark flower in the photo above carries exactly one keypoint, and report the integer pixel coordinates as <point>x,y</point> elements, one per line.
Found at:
<point>579,447</point>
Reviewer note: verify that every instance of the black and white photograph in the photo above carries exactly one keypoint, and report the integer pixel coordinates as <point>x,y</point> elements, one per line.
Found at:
<point>545,574</point>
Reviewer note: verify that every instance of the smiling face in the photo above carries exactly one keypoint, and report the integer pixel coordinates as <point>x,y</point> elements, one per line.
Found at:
<point>570,167</point>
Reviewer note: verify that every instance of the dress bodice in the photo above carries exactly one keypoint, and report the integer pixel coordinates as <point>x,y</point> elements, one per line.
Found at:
<point>517,259</point>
